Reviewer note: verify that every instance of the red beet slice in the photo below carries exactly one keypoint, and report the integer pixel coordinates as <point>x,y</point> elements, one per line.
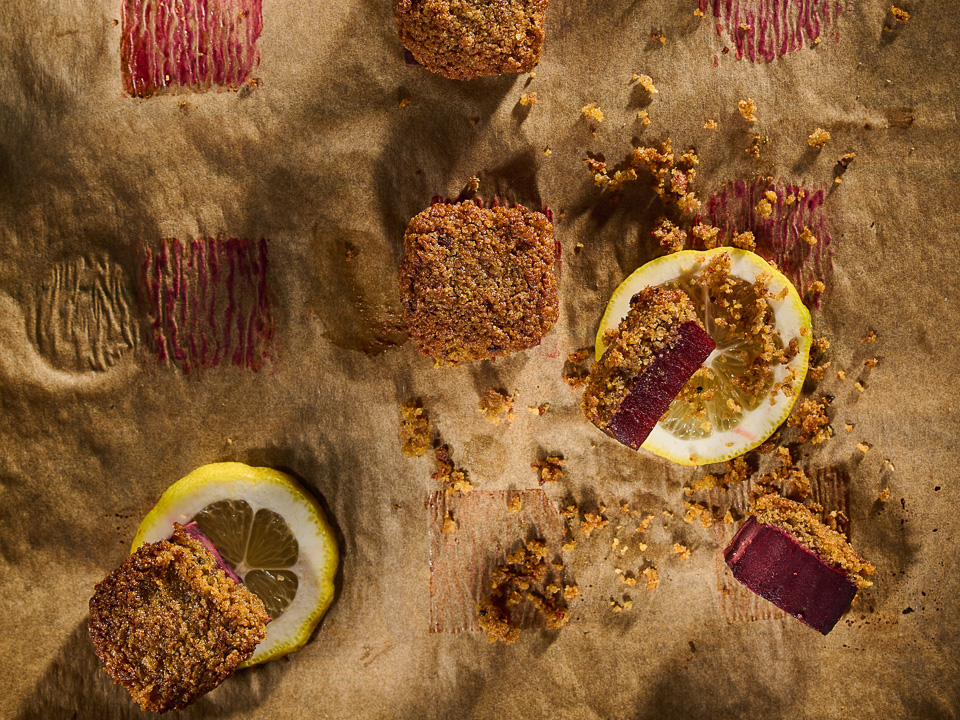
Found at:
<point>794,578</point>
<point>654,390</point>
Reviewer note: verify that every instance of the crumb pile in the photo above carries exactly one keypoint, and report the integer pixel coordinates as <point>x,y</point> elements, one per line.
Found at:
<point>452,479</point>
<point>526,576</point>
<point>478,283</point>
<point>809,531</point>
<point>466,39</point>
<point>414,430</point>
<point>169,626</point>
<point>651,325</point>
<point>496,406</point>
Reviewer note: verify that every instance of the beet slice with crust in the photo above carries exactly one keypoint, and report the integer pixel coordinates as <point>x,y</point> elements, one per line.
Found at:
<point>771,563</point>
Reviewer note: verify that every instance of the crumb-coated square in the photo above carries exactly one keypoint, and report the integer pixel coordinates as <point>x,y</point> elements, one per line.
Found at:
<point>465,39</point>
<point>478,283</point>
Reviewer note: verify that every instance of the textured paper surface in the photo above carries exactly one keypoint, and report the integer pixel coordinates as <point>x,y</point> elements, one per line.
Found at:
<point>321,161</point>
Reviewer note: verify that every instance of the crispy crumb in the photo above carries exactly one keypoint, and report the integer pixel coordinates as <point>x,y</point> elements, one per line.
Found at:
<point>863,447</point>
<point>710,125</point>
<point>682,550</point>
<point>817,287</point>
<point>550,469</point>
<point>592,112</point>
<point>659,35</point>
<point>818,138</point>
<point>652,577</point>
<point>899,13</point>
<point>540,410</point>
<point>671,238</point>
<point>871,362</point>
<point>821,344</point>
<point>452,480</point>
<point>515,504</point>
<point>414,430</point>
<point>811,418</point>
<point>744,241</point>
<point>405,101</point>
<point>643,117</point>
<point>698,511</point>
<point>848,427</point>
<point>846,159</point>
<point>754,148</point>
<point>747,109</point>
<point>869,337</point>
<point>808,237</point>
<point>495,406</point>
<point>859,386</point>
<point>764,208</point>
<point>449,524</point>
<point>570,592</point>
<point>884,495</point>
<point>647,83</point>
<point>528,98</point>
<point>591,522</point>
<point>707,236</point>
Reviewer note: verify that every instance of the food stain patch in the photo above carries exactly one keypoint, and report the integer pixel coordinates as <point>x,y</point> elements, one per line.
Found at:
<point>764,30</point>
<point>482,527</point>
<point>790,229</point>
<point>82,319</point>
<point>172,46</point>
<point>829,488</point>
<point>208,303</point>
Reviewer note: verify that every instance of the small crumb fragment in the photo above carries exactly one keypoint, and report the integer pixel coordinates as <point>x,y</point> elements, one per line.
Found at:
<point>591,522</point>
<point>592,111</point>
<point>698,511</point>
<point>869,337</point>
<point>811,418</point>
<point>643,117</point>
<point>671,238</point>
<point>697,12</point>
<point>764,208</point>
<point>495,406</point>
<point>710,125</point>
<point>647,83</point>
<point>754,148</point>
<point>682,550</point>
<point>744,241</point>
<point>841,375</point>
<point>515,505</point>
<point>846,159</point>
<point>452,480</point>
<point>808,237</point>
<point>747,109</point>
<point>870,362</point>
<point>818,138</point>
<point>570,592</point>
<point>848,427</point>
<point>528,98</point>
<point>863,447</point>
<point>550,469</point>
<point>449,524</point>
<point>900,14</point>
<point>405,101</point>
<point>652,577</point>
<point>859,386</point>
<point>548,152</point>
<point>540,410</point>
<point>817,287</point>
<point>884,495</point>
<point>707,236</point>
<point>414,430</point>
<point>659,35</point>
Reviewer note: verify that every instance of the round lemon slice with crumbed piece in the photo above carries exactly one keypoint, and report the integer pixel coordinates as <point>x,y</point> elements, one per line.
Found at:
<point>747,386</point>
<point>271,531</point>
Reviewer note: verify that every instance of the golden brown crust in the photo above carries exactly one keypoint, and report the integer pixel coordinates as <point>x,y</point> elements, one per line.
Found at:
<point>465,39</point>
<point>170,626</point>
<point>651,325</point>
<point>478,283</point>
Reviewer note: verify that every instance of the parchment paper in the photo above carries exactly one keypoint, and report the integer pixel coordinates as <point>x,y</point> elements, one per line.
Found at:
<point>322,161</point>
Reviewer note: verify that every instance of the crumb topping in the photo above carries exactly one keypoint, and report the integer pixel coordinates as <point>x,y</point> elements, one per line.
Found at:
<point>818,138</point>
<point>414,430</point>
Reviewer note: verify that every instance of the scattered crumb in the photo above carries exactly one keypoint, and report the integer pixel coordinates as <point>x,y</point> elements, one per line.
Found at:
<point>528,98</point>
<point>652,577</point>
<point>647,83</point>
<point>863,447</point>
<point>682,550</point>
<point>710,125</point>
<point>449,524</point>
<point>540,410</point>
<point>659,35</point>
<point>817,287</point>
<point>697,12</point>
<point>808,237</point>
<point>548,152</point>
<point>818,138</point>
<point>495,405</point>
<point>591,522</point>
<point>764,208</point>
<point>744,241</point>
<point>846,159</point>
<point>848,427</point>
<point>811,418</point>
<point>871,362</point>
<point>452,480</point>
<point>747,109</point>
<point>592,111</point>
<point>515,505</point>
<point>821,344</point>
<point>884,495</point>
<point>671,238</point>
<point>859,386</point>
<point>697,511</point>
<point>550,469</point>
<point>643,117</point>
<point>754,148</point>
<point>414,430</point>
<point>707,236</point>
<point>841,375</point>
<point>570,592</point>
<point>405,101</point>
<point>869,337</point>
<point>900,14</point>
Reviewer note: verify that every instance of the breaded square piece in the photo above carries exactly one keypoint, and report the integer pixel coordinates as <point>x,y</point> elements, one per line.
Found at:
<point>465,39</point>
<point>478,283</point>
<point>170,626</point>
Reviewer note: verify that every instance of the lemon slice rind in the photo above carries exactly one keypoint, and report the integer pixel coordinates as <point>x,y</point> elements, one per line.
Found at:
<point>261,487</point>
<point>790,317</point>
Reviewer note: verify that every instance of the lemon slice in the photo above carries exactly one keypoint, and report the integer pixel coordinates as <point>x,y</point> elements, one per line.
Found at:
<point>272,532</point>
<point>748,385</point>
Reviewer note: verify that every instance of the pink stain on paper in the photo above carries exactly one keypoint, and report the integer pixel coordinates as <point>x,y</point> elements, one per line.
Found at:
<point>780,237</point>
<point>208,303</point>
<point>764,30</point>
<point>175,45</point>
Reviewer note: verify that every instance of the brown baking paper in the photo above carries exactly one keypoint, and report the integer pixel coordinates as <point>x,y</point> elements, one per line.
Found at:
<point>319,157</point>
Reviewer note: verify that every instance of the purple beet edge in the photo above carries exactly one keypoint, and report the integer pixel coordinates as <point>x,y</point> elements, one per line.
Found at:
<point>654,390</point>
<point>776,567</point>
<point>194,531</point>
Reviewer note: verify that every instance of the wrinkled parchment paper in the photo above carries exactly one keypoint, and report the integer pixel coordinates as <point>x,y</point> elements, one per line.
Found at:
<point>322,161</point>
